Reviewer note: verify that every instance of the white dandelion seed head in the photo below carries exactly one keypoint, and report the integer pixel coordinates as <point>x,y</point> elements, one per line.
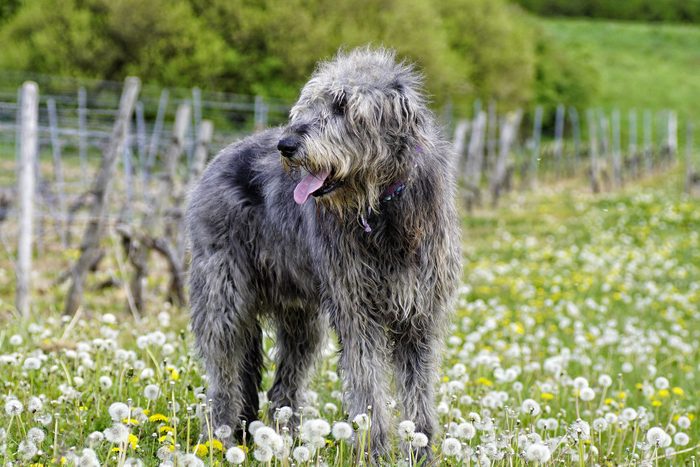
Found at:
<point>117,434</point>
<point>27,449</point>
<point>580,430</point>
<point>78,381</point>
<point>16,340</point>
<point>165,454</point>
<point>330,408</point>
<point>147,373</point>
<point>406,429</point>
<point>267,437</point>
<point>661,383</point>
<point>683,422</point>
<point>599,425</point>
<point>466,431</point>
<point>223,432</point>
<point>263,454</point>
<point>36,435</point>
<point>151,392</point>
<point>96,437</point>
<point>657,437</point>
<point>342,430</point>
<point>301,454</point>
<point>681,439</point>
<point>284,414</point>
<point>586,394</point>
<point>235,455</point>
<point>31,363</point>
<point>580,382</point>
<point>538,452</point>
<point>105,382</point>
<point>530,407</point>
<point>44,419</point>
<point>605,381</point>
<point>168,349</point>
<point>13,407</point>
<point>254,425</point>
<point>628,414</point>
<point>88,458</point>
<point>362,421</point>
<point>35,404</point>
<point>474,417</point>
<point>190,460</point>
<point>118,411</point>
<point>420,440</point>
<point>451,447</point>
<point>133,462</point>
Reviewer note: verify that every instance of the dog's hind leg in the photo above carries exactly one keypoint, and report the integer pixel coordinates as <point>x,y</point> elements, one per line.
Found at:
<point>300,334</point>
<point>228,337</point>
<point>415,356</point>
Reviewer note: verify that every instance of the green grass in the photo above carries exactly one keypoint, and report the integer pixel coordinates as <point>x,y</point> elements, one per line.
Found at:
<point>641,65</point>
<point>561,290</point>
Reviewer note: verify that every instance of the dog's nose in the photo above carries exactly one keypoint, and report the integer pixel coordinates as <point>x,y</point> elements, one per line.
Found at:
<point>289,145</point>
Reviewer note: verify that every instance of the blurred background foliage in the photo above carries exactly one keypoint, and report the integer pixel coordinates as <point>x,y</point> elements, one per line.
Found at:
<point>468,49</point>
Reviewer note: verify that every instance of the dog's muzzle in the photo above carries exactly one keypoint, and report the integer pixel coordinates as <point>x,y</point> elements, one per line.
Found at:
<point>289,145</point>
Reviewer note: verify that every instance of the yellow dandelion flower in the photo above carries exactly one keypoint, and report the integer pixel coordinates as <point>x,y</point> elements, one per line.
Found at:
<point>146,411</point>
<point>547,396</point>
<point>519,328</point>
<point>174,374</point>
<point>165,428</point>
<point>691,416</point>
<point>215,445</point>
<point>201,450</point>
<point>656,403</point>
<point>664,393</point>
<point>622,395</point>
<point>639,386</point>
<point>164,438</point>
<point>678,391</point>
<point>130,421</point>
<point>157,417</point>
<point>609,401</point>
<point>484,381</point>
<point>133,440</point>
<point>115,449</point>
<point>445,379</point>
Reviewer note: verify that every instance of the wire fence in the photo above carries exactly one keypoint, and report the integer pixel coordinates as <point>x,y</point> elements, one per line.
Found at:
<point>161,145</point>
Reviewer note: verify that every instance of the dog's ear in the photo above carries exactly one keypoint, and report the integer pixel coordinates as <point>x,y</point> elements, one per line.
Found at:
<point>405,119</point>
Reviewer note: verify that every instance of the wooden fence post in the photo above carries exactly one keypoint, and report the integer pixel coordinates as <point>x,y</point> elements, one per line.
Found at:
<point>616,150</point>
<point>90,246</point>
<point>82,133</point>
<point>648,142</point>
<point>536,138</point>
<point>690,174</point>
<point>500,179</point>
<point>559,139</point>
<point>460,141</point>
<point>206,131</point>
<point>593,150</point>
<point>475,160</point>
<point>632,146</point>
<point>157,130</point>
<point>58,171</point>
<point>576,133</point>
<point>28,152</point>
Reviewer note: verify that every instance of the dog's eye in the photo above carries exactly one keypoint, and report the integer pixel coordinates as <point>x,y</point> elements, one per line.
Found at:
<point>339,104</point>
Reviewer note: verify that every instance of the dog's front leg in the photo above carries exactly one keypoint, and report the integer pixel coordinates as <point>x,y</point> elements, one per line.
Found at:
<point>362,363</point>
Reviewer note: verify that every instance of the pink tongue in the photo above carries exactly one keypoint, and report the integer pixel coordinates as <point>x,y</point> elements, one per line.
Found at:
<point>308,185</point>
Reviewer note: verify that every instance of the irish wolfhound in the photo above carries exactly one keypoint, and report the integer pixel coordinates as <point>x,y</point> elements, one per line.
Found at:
<point>346,214</point>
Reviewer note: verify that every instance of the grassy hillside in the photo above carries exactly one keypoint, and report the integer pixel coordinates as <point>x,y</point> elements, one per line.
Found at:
<point>652,66</point>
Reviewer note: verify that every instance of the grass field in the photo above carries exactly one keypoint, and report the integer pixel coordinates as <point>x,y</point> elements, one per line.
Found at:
<point>641,65</point>
<point>576,341</point>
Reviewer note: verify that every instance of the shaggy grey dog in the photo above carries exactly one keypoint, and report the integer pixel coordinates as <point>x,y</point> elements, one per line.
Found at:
<point>347,214</point>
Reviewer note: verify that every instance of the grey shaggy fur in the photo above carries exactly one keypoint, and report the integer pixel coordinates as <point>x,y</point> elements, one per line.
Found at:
<point>386,293</point>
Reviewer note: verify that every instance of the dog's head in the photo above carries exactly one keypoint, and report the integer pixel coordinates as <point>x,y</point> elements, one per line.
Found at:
<point>358,126</point>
